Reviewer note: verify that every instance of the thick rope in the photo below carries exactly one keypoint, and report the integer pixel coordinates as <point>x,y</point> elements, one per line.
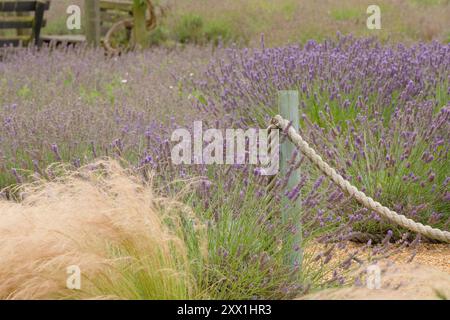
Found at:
<point>346,186</point>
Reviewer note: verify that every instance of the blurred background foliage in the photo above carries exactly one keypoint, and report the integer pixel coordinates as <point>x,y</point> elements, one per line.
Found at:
<point>284,21</point>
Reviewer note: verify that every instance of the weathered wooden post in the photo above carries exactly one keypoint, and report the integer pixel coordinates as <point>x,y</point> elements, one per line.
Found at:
<point>38,21</point>
<point>288,103</point>
<point>140,32</point>
<point>92,21</point>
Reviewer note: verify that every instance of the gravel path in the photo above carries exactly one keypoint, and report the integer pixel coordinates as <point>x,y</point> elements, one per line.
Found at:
<point>426,276</point>
<point>433,255</point>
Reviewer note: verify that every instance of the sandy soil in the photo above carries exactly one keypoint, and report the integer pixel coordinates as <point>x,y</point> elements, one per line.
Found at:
<point>426,277</point>
<point>433,255</point>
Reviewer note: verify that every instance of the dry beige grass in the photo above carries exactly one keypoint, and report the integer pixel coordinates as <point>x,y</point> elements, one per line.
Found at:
<point>102,219</point>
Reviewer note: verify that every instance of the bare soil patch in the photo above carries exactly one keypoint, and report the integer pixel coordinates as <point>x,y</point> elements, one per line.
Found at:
<point>427,276</point>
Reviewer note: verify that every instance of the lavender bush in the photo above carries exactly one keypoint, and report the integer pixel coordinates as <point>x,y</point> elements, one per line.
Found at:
<point>379,114</point>
<point>76,105</point>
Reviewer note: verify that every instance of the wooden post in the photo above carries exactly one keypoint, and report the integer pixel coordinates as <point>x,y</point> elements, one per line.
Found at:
<point>140,33</point>
<point>92,21</point>
<point>288,103</point>
<point>38,21</point>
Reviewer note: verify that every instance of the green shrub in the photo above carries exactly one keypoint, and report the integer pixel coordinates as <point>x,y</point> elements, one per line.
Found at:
<point>159,36</point>
<point>344,14</point>
<point>190,28</point>
<point>217,30</point>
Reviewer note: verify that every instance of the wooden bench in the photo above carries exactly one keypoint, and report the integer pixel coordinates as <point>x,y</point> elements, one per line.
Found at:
<point>21,19</point>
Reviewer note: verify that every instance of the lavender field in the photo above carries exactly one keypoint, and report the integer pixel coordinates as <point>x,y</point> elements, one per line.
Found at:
<point>79,124</point>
